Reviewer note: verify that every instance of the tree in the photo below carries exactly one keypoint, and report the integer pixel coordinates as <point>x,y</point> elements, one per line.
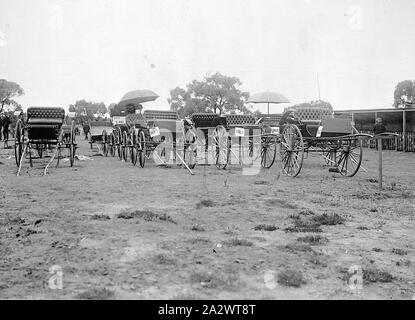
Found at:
<point>111,107</point>
<point>8,91</point>
<point>215,93</point>
<point>404,95</point>
<point>88,108</point>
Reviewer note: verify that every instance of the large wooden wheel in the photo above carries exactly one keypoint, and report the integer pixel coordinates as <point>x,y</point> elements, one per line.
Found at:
<point>268,150</point>
<point>19,142</point>
<point>292,150</point>
<point>330,156</point>
<point>105,143</point>
<point>111,144</point>
<point>221,147</point>
<point>134,146</point>
<point>142,149</point>
<point>190,148</point>
<point>118,143</point>
<point>350,158</point>
<point>125,146</point>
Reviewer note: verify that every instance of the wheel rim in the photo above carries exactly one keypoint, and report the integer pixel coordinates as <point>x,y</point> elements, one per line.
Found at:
<point>111,145</point>
<point>268,152</point>
<point>350,158</point>
<point>72,144</point>
<point>292,150</point>
<point>221,147</point>
<point>104,143</point>
<point>18,142</point>
<point>142,151</point>
<point>133,151</point>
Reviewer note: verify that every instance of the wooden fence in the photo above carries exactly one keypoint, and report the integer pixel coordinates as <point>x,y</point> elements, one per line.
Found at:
<point>396,144</point>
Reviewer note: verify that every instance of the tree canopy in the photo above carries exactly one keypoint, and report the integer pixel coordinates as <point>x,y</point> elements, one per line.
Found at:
<point>404,95</point>
<point>8,91</point>
<point>88,108</point>
<point>215,93</point>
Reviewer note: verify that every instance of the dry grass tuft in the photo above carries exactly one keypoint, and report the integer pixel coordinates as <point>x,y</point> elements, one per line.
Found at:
<point>291,278</point>
<point>265,227</point>
<point>313,239</point>
<point>238,242</point>
<point>197,228</point>
<point>96,294</point>
<point>164,259</point>
<point>205,203</point>
<point>147,215</point>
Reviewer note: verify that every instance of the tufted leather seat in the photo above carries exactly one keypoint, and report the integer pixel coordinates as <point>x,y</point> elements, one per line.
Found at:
<point>203,120</point>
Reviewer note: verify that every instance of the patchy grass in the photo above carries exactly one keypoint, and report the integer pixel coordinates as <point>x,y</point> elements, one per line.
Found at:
<point>399,251</point>
<point>291,278</point>
<point>164,259</point>
<point>328,219</point>
<point>304,226</point>
<point>205,203</point>
<point>215,280</point>
<point>198,240</point>
<point>100,217</point>
<point>197,228</point>
<point>147,215</point>
<point>238,242</point>
<point>280,203</point>
<point>376,275</point>
<point>313,239</point>
<point>262,182</point>
<point>96,294</point>
<point>297,247</point>
<point>265,227</point>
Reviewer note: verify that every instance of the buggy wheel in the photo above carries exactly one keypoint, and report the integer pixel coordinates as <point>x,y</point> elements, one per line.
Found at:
<point>142,149</point>
<point>111,145</point>
<point>72,147</point>
<point>118,143</point>
<point>18,142</point>
<point>125,145</point>
<point>190,149</point>
<point>268,151</point>
<point>133,150</point>
<point>330,157</point>
<point>292,150</point>
<point>105,143</point>
<point>221,144</point>
<point>350,158</point>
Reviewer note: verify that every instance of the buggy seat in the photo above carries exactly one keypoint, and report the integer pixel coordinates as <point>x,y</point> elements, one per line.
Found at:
<point>45,116</point>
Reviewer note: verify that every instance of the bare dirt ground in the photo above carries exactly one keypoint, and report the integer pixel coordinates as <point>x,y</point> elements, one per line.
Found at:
<point>122,232</point>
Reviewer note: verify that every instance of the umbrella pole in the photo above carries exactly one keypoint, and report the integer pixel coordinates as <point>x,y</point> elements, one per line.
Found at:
<point>268,108</point>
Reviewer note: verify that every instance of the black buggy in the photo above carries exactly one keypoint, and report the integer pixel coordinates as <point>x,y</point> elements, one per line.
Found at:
<point>43,130</point>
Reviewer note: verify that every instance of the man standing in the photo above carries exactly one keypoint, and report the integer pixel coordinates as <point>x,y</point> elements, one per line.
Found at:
<point>6,123</point>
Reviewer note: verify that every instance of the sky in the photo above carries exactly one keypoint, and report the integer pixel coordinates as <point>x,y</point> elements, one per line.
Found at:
<point>61,51</point>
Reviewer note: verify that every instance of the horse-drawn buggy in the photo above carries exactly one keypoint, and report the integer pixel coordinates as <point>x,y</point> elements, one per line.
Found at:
<point>99,132</point>
<point>317,131</point>
<point>44,129</point>
<point>238,136</point>
<point>159,134</point>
